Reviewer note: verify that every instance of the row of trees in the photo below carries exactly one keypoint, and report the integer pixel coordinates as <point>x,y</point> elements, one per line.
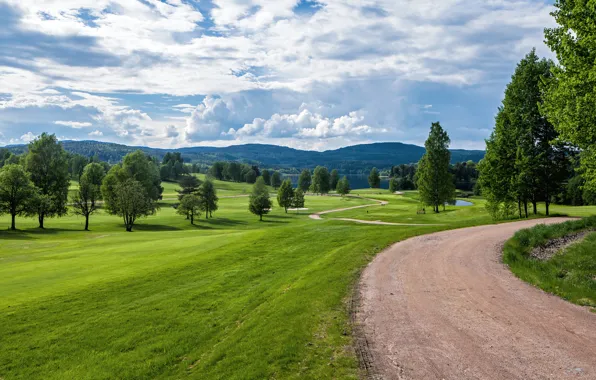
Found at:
<point>322,182</point>
<point>234,171</point>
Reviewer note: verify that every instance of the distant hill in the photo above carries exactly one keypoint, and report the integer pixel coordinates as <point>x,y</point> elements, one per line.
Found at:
<point>352,159</point>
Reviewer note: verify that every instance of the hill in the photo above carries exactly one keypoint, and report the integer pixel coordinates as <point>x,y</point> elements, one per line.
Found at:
<point>351,159</point>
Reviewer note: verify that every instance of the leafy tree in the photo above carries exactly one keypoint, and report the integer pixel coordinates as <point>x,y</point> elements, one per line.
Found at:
<point>435,183</point>
<point>217,170</point>
<point>266,176</point>
<point>233,172</point>
<point>85,201</point>
<point>320,180</point>
<point>304,181</point>
<point>393,185</point>
<point>285,195</point>
<point>275,180</point>
<point>571,92</point>
<point>250,176</point>
<point>334,179</point>
<point>208,197</point>
<point>131,202</point>
<point>374,179</point>
<point>77,165</point>
<point>259,202</point>
<point>298,200</point>
<point>190,206</point>
<point>16,190</point>
<point>343,186</point>
<point>172,167</point>
<point>189,184</point>
<point>48,165</point>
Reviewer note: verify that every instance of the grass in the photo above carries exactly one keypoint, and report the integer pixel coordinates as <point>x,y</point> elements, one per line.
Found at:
<point>228,298</point>
<point>570,274</point>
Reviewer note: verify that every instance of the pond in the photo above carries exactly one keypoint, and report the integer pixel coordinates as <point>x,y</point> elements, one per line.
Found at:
<point>461,203</point>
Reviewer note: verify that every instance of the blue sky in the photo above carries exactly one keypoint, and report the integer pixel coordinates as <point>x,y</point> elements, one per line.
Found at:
<point>306,74</point>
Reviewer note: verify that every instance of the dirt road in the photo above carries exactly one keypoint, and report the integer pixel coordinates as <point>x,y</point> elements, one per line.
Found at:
<point>443,306</point>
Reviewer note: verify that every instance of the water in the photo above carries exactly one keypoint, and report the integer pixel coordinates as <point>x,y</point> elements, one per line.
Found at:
<point>357,181</point>
<point>462,203</point>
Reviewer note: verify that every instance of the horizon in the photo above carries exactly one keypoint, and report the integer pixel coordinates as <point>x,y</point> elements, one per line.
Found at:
<point>306,74</point>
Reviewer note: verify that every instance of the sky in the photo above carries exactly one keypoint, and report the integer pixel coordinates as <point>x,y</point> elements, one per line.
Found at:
<point>307,74</point>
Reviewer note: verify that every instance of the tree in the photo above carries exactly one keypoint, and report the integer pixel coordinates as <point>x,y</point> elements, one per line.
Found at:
<point>304,181</point>
<point>77,165</point>
<point>189,184</point>
<point>435,183</point>
<point>259,202</point>
<point>266,176</point>
<point>275,180</point>
<point>216,170</point>
<point>343,186</point>
<point>190,206</point>
<point>374,179</point>
<point>334,179</point>
<point>16,190</point>
<point>47,162</point>
<point>393,185</point>
<point>320,180</point>
<point>285,195</point>
<point>250,176</point>
<point>131,202</point>
<point>298,200</point>
<point>85,201</point>
<point>208,197</point>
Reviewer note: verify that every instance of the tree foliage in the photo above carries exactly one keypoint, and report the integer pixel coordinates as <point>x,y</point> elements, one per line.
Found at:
<point>285,195</point>
<point>305,180</point>
<point>259,202</point>
<point>334,179</point>
<point>276,180</point>
<point>190,206</point>
<point>209,200</point>
<point>16,191</point>
<point>320,180</point>
<point>435,183</point>
<point>343,186</point>
<point>85,201</point>
<point>374,179</point>
<point>189,184</point>
<point>298,200</point>
<point>131,202</point>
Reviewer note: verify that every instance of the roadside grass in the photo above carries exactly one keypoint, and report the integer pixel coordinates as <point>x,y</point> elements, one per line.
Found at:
<point>570,274</point>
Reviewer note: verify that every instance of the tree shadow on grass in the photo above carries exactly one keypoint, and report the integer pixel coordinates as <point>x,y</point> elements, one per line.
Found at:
<point>154,227</point>
<point>31,233</point>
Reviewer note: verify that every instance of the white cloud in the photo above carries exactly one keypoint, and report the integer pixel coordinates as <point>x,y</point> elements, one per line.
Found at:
<point>208,121</point>
<point>172,131</point>
<point>26,138</point>
<point>96,133</point>
<point>73,124</point>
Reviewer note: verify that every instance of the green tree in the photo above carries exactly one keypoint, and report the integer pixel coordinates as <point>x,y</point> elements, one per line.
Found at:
<point>48,165</point>
<point>259,202</point>
<point>16,190</point>
<point>131,202</point>
<point>250,176</point>
<point>208,197</point>
<point>334,179</point>
<point>298,200</point>
<point>217,170</point>
<point>435,183</point>
<point>285,195</point>
<point>77,165</point>
<point>85,201</point>
<point>190,206</point>
<point>571,91</point>
<point>320,180</point>
<point>304,181</point>
<point>393,185</point>
<point>189,184</point>
<point>374,179</point>
<point>266,176</point>
<point>343,186</point>
<point>275,180</point>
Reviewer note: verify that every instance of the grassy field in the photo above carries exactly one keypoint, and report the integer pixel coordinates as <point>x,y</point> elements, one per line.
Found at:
<point>228,298</point>
<point>570,274</point>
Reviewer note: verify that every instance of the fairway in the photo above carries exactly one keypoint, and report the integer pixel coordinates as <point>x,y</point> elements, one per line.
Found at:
<point>228,298</point>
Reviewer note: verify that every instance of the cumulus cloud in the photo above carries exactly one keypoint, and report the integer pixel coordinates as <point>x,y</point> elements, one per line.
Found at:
<point>172,131</point>
<point>208,121</point>
<point>73,124</point>
<point>96,133</point>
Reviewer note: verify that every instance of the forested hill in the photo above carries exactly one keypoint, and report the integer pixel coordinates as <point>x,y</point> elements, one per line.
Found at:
<point>349,159</point>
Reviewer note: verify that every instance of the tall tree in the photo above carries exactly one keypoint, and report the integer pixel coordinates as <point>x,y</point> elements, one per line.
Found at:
<point>85,201</point>
<point>190,206</point>
<point>275,180</point>
<point>131,202</point>
<point>320,180</point>
<point>189,184</point>
<point>47,162</point>
<point>266,176</point>
<point>298,201</point>
<point>77,165</point>
<point>250,176</point>
<point>208,197</point>
<point>435,183</point>
<point>334,179</point>
<point>343,186</point>
<point>259,202</point>
<point>374,179</point>
<point>393,185</point>
<point>285,195</point>
<point>16,190</point>
<point>304,181</point>
<point>571,92</point>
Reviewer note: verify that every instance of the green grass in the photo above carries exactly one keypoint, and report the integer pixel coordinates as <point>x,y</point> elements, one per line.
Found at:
<point>228,298</point>
<point>570,274</point>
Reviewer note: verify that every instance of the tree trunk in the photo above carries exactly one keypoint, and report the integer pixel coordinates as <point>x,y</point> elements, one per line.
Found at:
<point>526,208</point>
<point>261,217</point>
<point>192,219</point>
<point>87,222</point>
<point>547,203</point>
<point>13,225</point>
<point>40,219</point>
<point>286,209</point>
<point>534,205</point>
<point>519,207</point>
<point>206,214</point>
<point>129,228</point>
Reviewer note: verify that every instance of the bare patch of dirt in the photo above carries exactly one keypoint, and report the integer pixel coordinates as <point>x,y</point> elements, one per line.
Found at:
<point>552,247</point>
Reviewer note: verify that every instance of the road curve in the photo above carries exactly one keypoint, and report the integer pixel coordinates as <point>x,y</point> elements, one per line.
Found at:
<point>443,306</point>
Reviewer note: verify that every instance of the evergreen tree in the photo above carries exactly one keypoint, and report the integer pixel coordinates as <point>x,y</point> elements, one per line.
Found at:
<point>275,180</point>
<point>16,190</point>
<point>285,195</point>
<point>374,179</point>
<point>334,179</point>
<point>298,201</point>
<point>259,202</point>
<point>320,180</point>
<point>209,199</point>
<point>435,183</point>
<point>304,181</point>
<point>48,165</point>
<point>89,193</point>
<point>189,184</point>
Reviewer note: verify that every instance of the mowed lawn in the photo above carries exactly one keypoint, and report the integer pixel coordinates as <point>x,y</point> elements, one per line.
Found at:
<point>229,298</point>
